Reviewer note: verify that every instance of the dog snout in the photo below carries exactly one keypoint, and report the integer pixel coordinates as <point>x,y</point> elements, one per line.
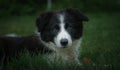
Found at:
<point>64,42</point>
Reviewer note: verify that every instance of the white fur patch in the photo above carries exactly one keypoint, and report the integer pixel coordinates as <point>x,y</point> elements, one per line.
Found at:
<point>11,35</point>
<point>65,55</point>
<point>63,34</point>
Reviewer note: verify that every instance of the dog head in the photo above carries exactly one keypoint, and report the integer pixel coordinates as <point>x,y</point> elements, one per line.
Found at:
<point>61,27</point>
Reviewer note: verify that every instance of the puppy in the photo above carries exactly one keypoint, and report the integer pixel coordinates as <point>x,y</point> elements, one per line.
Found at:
<point>58,36</point>
<point>61,31</point>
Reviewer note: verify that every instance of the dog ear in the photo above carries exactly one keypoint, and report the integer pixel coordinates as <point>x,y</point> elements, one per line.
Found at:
<point>77,14</point>
<point>43,20</point>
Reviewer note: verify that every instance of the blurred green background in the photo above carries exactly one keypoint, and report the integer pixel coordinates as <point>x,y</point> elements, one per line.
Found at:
<point>21,7</point>
<point>101,37</point>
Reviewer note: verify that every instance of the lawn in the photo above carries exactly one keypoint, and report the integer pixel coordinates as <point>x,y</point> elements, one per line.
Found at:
<point>100,46</point>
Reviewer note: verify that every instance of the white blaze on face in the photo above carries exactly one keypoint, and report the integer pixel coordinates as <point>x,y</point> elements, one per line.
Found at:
<point>62,34</point>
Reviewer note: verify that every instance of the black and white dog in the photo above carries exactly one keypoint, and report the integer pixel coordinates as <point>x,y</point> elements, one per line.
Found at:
<point>58,33</point>
<point>61,31</point>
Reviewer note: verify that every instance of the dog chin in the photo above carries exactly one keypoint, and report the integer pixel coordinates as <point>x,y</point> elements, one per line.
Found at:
<point>53,46</point>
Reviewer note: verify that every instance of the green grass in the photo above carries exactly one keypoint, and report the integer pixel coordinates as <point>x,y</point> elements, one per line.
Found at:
<point>17,24</point>
<point>101,40</point>
<point>101,43</point>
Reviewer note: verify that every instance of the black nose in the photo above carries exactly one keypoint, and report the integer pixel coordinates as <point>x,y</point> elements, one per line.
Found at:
<point>64,42</point>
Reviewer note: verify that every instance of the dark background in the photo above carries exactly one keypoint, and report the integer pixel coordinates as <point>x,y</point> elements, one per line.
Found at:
<point>101,34</point>
<point>19,7</point>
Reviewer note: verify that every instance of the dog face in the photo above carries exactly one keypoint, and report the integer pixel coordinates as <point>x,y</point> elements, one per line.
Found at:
<point>61,27</point>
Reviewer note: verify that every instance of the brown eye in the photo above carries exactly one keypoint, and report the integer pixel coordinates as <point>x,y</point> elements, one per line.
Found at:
<point>57,27</point>
<point>66,25</point>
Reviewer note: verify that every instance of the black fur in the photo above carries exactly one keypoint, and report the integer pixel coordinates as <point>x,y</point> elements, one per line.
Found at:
<point>13,46</point>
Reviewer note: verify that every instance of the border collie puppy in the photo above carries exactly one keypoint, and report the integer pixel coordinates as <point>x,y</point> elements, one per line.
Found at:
<point>61,31</point>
